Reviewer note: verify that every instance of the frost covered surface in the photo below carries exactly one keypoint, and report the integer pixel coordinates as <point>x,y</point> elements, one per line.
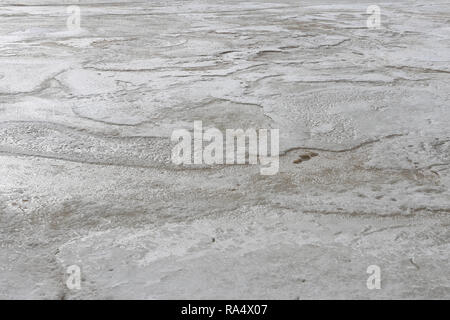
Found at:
<point>85,121</point>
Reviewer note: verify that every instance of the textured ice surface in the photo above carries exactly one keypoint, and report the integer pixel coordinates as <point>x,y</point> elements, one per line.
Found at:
<point>85,122</point>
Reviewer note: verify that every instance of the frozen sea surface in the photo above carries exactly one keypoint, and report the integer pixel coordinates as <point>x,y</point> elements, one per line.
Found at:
<point>85,122</point>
